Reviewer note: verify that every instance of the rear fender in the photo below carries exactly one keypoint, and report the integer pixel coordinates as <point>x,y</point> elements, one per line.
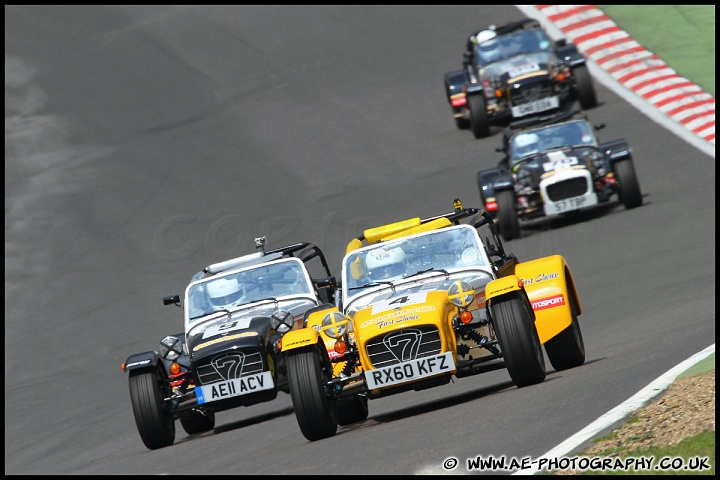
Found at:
<point>552,293</point>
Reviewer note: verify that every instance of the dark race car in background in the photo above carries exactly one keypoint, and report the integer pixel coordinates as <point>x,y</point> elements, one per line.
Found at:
<point>235,315</point>
<point>514,71</point>
<point>555,165</point>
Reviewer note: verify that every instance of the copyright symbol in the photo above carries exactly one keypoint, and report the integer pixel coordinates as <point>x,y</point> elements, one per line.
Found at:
<point>450,463</point>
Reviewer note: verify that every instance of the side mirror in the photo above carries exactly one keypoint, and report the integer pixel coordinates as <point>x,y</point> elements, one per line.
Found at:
<point>172,300</point>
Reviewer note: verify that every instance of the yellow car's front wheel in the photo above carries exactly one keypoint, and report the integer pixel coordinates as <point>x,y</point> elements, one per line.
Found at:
<point>316,413</point>
<point>513,321</point>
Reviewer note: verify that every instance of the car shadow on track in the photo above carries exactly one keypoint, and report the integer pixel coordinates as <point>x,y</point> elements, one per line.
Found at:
<point>228,427</point>
<point>413,410</point>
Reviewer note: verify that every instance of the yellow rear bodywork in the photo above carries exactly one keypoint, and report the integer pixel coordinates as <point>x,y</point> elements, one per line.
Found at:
<point>551,290</point>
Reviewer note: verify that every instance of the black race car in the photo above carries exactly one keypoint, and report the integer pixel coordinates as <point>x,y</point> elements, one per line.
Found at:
<point>554,165</point>
<point>235,315</point>
<point>514,71</point>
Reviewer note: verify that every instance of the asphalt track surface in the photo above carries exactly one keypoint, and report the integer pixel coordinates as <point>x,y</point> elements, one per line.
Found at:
<point>144,142</point>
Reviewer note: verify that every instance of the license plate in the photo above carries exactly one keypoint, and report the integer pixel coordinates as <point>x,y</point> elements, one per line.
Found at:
<point>235,387</point>
<point>409,371</point>
<point>569,204</point>
<point>537,106</point>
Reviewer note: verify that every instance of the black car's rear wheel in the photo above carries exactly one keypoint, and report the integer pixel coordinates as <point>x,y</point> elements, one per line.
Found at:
<point>514,323</point>
<point>585,88</point>
<point>198,422</point>
<point>155,422</point>
<point>629,187</point>
<point>316,413</point>
<point>567,349</point>
<point>508,221</point>
<point>478,116</point>
<point>352,410</point>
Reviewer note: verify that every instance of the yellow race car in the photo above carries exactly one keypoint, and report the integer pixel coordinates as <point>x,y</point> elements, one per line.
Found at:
<point>423,301</point>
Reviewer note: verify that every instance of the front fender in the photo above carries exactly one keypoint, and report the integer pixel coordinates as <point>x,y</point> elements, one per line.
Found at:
<point>504,181</point>
<point>300,338</point>
<point>552,293</point>
<point>616,149</point>
<point>454,83</point>
<point>138,361</point>
<point>501,286</point>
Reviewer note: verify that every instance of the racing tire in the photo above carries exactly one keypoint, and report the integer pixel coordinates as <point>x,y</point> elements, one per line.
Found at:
<point>585,88</point>
<point>629,187</point>
<point>197,422</point>
<point>155,422</point>
<point>352,409</point>
<point>316,414</point>
<point>508,221</point>
<point>566,349</point>
<point>479,123</point>
<point>514,323</point>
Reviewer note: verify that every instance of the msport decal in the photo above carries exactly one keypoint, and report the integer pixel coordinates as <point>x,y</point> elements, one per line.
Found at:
<point>548,302</point>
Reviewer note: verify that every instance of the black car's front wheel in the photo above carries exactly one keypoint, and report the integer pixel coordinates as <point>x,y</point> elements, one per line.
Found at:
<point>316,413</point>
<point>479,123</point>
<point>155,422</point>
<point>508,221</point>
<point>587,98</point>
<point>629,187</point>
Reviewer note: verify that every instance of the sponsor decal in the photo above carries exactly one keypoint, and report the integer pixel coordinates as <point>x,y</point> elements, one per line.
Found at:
<point>399,316</point>
<point>545,291</point>
<point>500,290</point>
<point>305,340</point>
<point>224,339</point>
<point>142,362</point>
<point>540,277</point>
<point>548,302</point>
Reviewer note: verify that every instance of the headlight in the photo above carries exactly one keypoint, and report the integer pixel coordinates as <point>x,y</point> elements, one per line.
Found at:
<point>461,294</point>
<point>171,348</point>
<point>282,321</point>
<point>335,325</point>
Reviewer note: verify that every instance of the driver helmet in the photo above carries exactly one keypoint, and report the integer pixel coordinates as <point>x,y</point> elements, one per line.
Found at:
<point>385,264</point>
<point>225,292</point>
<point>488,46</point>
<point>526,144</point>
